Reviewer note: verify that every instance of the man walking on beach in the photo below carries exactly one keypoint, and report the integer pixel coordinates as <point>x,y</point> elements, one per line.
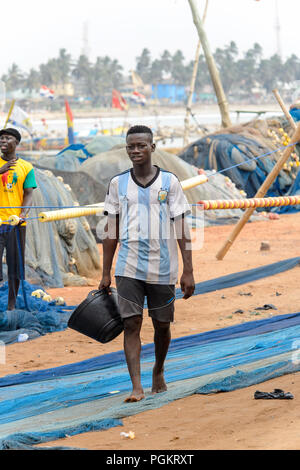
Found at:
<point>17,182</point>
<point>146,208</point>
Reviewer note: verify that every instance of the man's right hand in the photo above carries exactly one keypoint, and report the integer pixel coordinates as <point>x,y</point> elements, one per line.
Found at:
<point>105,283</point>
<point>7,166</point>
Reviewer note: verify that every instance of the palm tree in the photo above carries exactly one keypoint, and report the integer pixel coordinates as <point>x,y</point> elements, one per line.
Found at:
<point>292,68</point>
<point>247,68</point>
<point>156,72</point>
<point>225,61</point>
<point>271,72</point>
<point>179,72</point>
<point>50,73</point>
<point>14,78</point>
<point>82,67</point>
<point>64,64</point>
<point>166,62</point>
<point>33,80</point>
<point>143,65</point>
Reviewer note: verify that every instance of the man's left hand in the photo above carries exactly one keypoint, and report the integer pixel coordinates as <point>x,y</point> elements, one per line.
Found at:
<point>187,284</point>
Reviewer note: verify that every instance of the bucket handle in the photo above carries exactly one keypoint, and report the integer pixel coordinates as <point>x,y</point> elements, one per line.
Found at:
<point>96,291</point>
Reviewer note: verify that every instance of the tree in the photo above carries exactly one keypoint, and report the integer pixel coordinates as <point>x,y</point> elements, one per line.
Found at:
<point>143,65</point>
<point>271,72</point>
<point>247,68</point>
<point>203,77</point>
<point>82,72</point>
<point>32,81</point>
<point>180,75</point>
<point>156,72</point>
<point>292,69</point>
<point>166,62</point>
<point>226,63</point>
<point>50,73</point>
<point>64,65</point>
<point>14,78</point>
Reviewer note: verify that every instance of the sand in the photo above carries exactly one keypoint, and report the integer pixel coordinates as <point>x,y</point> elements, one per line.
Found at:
<point>232,420</point>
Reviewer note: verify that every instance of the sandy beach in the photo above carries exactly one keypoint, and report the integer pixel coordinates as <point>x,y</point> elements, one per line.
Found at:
<point>232,420</point>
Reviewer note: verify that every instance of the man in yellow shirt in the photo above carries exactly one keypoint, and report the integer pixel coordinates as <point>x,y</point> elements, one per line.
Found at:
<point>17,181</point>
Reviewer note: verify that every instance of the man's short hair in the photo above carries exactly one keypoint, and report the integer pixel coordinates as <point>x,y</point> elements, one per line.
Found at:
<point>139,129</point>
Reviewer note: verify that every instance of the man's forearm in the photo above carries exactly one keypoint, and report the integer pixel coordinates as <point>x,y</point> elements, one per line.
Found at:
<point>109,249</point>
<point>110,242</point>
<point>184,243</point>
<point>27,201</point>
<point>186,254</point>
<point>187,281</point>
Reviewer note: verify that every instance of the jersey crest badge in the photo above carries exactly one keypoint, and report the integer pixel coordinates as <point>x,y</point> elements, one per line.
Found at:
<point>162,195</point>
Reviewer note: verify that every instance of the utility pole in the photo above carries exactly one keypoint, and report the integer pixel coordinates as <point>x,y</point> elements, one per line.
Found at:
<point>277,28</point>
<point>214,73</point>
<point>85,40</point>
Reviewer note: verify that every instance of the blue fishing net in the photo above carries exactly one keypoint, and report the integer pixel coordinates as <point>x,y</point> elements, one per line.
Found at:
<point>45,405</point>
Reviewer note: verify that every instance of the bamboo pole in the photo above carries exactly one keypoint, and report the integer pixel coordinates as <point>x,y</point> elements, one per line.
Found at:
<point>194,181</point>
<point>192,86</point>
<point>190,97</point>
<point>284,108</point>
<point>214,73</point>
<point>252,202</point>
<point>9,113</point>
<point>260,193</point>
<point>71,213</point>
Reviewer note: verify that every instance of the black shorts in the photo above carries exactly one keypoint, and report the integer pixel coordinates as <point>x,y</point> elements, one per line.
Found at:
<point>15,249</point>
<point>132,293</point>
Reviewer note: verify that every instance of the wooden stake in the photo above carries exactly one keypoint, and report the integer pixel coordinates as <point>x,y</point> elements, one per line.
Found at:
<point>284,109</point>
<point>260,193</point>
<point>190,97</point>
<point>192,86</point>
<point>214,73</point>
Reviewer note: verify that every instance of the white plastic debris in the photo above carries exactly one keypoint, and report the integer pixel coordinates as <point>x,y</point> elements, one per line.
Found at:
<point>22,337</point>
<point>128,435</point>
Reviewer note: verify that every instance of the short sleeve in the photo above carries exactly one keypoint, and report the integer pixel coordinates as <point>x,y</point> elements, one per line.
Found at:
<point>111,203</point>
<point>30,181</point>
<point>178,203</point>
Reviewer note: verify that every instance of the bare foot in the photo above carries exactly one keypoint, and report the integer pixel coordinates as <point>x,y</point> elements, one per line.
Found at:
<point>158,382</point>
<point>134,397</point>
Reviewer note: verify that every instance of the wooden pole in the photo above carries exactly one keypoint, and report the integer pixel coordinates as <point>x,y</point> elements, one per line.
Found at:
<point>284,109</point>
<point>260,193</point>
<point>214,73</point>
<point>9,113</point>
<point>192,86</point>
<point>190,97</point>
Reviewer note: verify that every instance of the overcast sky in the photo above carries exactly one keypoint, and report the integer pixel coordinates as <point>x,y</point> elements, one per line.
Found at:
<point>33,31</point>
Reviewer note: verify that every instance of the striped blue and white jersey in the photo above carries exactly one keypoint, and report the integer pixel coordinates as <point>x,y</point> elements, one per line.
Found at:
<point>148,246</point>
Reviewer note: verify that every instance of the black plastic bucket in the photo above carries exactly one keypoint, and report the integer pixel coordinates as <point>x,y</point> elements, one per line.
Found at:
<point>98,316</point>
